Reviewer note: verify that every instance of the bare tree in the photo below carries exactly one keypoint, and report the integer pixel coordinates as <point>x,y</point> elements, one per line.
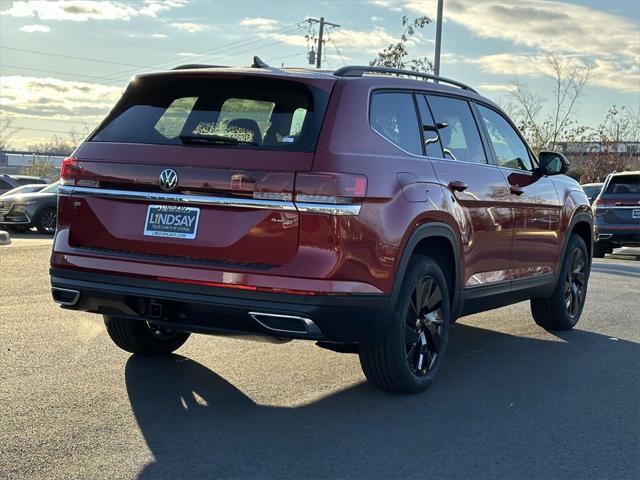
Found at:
<point>546,121</point>
<point>394,56</point>
<point>607,144</point>
<point>7,130</point>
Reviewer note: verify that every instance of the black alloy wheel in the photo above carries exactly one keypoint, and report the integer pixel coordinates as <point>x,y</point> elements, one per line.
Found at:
<point>423,326</point>
<point>575,283</point>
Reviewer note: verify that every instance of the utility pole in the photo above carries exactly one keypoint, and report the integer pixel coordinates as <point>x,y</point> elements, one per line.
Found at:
<point>436,62</point>
<point>322,23</point>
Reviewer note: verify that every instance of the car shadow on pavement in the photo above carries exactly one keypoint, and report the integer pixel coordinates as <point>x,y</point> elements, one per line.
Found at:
<point>501,407</point>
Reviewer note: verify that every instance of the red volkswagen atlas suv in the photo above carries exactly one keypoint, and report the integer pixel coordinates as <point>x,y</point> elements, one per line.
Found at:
<point>365,209</point>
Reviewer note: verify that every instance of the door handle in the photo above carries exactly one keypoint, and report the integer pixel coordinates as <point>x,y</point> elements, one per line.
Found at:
<point>457,186</point>
<point>516,190</point>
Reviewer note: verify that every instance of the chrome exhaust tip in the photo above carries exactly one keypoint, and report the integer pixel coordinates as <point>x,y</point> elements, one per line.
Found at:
<point>290,324</point>
<point>64,296</point>
<point>604,236</point>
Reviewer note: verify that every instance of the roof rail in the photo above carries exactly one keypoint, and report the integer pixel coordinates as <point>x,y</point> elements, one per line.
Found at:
<point>191,66</point>
<point>358,71</point>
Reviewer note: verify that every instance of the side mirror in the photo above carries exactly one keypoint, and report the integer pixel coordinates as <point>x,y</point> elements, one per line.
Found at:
<point>552,163</point>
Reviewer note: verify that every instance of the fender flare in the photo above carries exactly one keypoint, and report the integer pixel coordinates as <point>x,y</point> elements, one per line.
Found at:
<point>581,216</point>
<point>428,230</point>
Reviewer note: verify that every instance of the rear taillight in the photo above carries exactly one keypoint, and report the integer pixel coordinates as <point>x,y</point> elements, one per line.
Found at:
<point>331,188</point>
<point>601,203</point>
<point>69,171</point>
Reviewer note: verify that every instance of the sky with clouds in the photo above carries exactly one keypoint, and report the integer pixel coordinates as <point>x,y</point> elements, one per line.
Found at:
<point>64,63</point>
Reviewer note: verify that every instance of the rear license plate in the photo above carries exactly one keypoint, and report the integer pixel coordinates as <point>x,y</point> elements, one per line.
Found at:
<point>172,221</point>
<point>635,213</point>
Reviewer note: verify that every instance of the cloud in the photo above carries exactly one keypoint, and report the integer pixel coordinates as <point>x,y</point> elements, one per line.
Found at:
<point>260,23</point>
<point>376,19</point>
<point>493,87</point>
<point>189,27</point>
<point>147,35</point>
<point>190,54</point>
<point>604,72</point>
<point>394,6</point>
<point>607,42</point>
<point>35,28</point>
<point>83,10</point>
<point>153,7</point>
<point>52,98</point>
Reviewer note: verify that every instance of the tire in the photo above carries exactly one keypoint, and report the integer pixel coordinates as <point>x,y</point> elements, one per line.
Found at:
<point>46,220</point>
<point>599,250</point>
<point>142,338</point>
<point>562,309</point>
<point>396,363</point>
<point>17,228</point>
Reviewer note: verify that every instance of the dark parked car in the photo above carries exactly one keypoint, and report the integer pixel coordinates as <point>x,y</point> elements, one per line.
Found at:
<point>22,211</point>
<point>365,209</point>
<point>592,190</point>
<point>9,182</point>
<point>617,213</point>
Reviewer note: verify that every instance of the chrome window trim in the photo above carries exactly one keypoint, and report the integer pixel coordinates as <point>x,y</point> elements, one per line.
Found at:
<point>280,205</point>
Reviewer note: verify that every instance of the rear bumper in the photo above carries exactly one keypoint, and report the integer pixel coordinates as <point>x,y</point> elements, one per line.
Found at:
<point>223,311</point>
<point>617,234</point>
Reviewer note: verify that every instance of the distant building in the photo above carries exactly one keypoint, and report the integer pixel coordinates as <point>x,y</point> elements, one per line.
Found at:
<point>12,161</point>
<point>627,153</point>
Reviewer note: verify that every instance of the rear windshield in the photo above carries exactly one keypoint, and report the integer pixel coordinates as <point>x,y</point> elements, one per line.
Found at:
<point>249,112</point>
<point>624,184</point>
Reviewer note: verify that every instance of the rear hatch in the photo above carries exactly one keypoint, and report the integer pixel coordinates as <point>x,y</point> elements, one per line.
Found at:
<point>198,166</point>
<point>619,202</point>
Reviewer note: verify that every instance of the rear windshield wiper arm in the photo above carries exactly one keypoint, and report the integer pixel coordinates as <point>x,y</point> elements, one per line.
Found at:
<point>212,140</point>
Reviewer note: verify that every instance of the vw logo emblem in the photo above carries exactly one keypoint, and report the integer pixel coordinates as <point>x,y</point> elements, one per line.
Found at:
<point>168,179</point>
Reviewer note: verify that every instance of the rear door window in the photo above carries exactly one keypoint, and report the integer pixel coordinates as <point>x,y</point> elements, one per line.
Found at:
<point>511,151</point>
<point>393,115</point>
<point>458,131</point>
<point>250,112</point>
<point>624,185</point>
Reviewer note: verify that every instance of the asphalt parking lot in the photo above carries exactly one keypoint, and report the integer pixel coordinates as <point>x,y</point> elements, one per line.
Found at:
<point>511,400</point>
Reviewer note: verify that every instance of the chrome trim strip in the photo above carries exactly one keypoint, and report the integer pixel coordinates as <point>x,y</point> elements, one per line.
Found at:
<point>310,327</point>
<point>65,304</point>
<point>281,205</point>
<point>185,199</point>
<point>329,208</point>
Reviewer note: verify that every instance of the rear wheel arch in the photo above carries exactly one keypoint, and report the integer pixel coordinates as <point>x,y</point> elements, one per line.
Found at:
<point>438,241</point>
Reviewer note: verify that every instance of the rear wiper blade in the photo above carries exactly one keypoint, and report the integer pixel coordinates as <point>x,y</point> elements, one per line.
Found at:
<point>212,140</point>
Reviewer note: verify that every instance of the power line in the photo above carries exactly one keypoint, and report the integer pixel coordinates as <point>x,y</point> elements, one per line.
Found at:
<point>57,72</point>
<point>207,52</point>
<point>335,47</point>
<point>38,52</point>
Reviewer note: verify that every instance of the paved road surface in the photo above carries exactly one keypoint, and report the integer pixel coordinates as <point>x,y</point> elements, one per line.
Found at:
<point>511,400</point>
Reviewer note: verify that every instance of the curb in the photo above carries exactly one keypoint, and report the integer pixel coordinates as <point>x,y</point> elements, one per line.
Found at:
<point>5,239</point>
